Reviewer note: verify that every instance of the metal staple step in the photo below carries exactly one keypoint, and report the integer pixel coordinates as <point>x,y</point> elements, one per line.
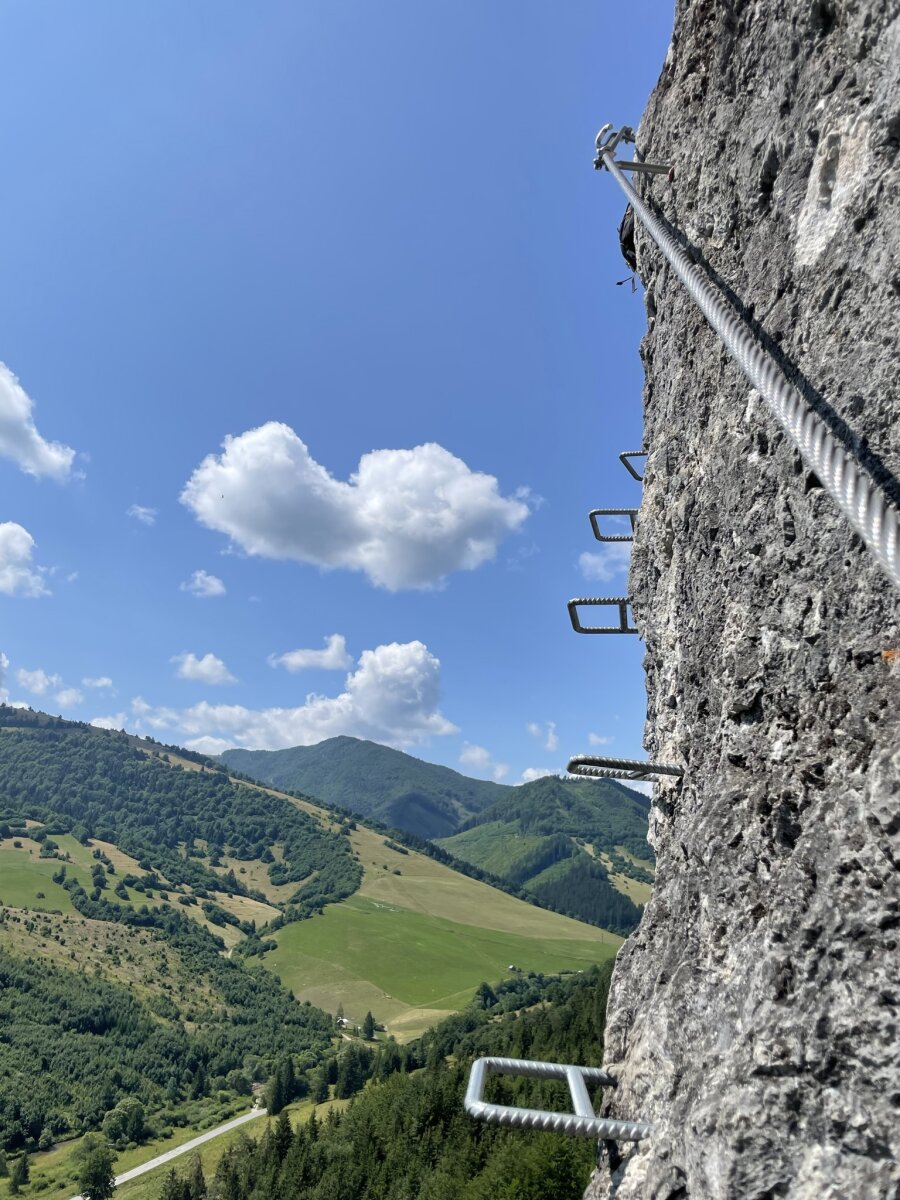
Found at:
<point>581,1122</point>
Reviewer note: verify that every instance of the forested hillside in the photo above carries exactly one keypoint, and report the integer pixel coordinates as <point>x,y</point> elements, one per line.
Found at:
<point>177,823</point>
<point>146,902</point>
<point>406,1134</point>
<point>374,781</point>
<point>578,846</point>
<point>75,1046</point>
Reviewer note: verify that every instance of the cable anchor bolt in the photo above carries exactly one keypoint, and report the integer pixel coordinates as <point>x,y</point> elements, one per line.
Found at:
<point>608,140</point>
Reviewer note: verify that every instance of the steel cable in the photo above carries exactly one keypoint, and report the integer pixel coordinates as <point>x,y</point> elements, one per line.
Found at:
<point>851,487</point>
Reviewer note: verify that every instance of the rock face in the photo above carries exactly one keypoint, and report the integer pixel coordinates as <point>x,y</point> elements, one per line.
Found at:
<point>754,1014</point>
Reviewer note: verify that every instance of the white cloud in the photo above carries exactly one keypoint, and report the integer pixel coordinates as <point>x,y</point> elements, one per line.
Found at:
<point>209,745</point>
<point>391,697</point>
<point>156,718</point>
<point>69,697</point>
<point>146,516</point>
<point>37,682</point>
<point>607,563</point>
<point>17,578</point>
<point>480,759</point>
<point>407,518</point>
<point>4,667</point>
<point>531,773</point>
<point>19,438</point>
<point>116,721</point>
<point>599,739</point>
<point>545,734</point>
<point>204,585</point>
<point>207,669</point>
<point>333,658</point>
<point>102,681</point>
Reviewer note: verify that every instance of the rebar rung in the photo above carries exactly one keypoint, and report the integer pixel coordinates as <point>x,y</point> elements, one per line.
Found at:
<point>626,456</point>
<point>597,767</point>
<point>621,602</point>
<point>579,1123</point>
<point>630,513</point>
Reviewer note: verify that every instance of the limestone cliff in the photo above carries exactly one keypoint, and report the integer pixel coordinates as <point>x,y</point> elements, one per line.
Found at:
<point>754,1014</point>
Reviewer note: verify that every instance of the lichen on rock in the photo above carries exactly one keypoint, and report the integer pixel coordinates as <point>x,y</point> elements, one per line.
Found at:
<point>754,1013</point>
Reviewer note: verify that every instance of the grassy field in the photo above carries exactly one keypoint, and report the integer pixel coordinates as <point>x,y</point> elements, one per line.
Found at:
<point>426,886</point>
<point>492,846</point>
<point>412,968</point>
<point>23,875</point>
<point>26,881</point>
<point>148,966</point>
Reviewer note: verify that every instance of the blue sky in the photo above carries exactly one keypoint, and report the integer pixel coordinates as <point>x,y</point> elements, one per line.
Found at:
<point>321,365</point>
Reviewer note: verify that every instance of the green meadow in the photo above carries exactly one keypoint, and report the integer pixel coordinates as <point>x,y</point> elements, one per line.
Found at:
<point>410,968</point>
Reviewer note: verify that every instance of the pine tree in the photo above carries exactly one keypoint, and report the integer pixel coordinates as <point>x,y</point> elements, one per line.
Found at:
<point>173,1188</point>
<point>20,1174</point>
<point>200,1086</point>
<point>283,1136</point>
<point>195,1184</point>
<point>275,1095</point>
<point>288,1079</point>
<point>319,1092</point>
<point>368,1028</point>
<point>4,1169</point>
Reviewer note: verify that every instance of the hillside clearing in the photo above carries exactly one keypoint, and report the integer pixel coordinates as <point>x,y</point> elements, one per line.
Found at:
<point>410,968</point>
<point>427,886</point>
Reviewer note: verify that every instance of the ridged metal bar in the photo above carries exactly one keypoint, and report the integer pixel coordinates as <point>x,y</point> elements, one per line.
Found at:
<point>598,767</point>
<point>630,513</point>
<point>625,459</point>
<point>621,602</point>
<point>843,476</point>
<point>580,1123</point>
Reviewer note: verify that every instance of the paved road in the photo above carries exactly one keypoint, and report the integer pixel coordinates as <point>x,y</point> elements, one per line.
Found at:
<point>160,1159</point>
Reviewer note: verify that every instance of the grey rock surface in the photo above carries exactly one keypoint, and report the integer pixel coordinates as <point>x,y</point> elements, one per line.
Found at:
<point>754,1014</point>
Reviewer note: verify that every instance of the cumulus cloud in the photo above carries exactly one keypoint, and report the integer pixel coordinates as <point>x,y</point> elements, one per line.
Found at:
<point>115,721</point>
<point>4,667</point>
<point>69,697</point>
<point>37,682</point>
<point>17,576</point>
<point>146,516</point>
<point>391,697</point>
<point>333,658</point>
<point>480,759</point>
<point>605,564</point>
<point>531,773</point>
<point>406,518</point>
<point>19,438</point>
<point>599,739</point>
<point>204,585</point>
<point>546,735</point>
<point>207,669</point>
<point>101,681</point>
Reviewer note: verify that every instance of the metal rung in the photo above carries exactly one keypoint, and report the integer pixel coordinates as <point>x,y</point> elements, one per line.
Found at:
<point>625,459</point>
<point>580,1123</point>
<point>621,603</point>
<point>618,768</point>
<point>630,513</point>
